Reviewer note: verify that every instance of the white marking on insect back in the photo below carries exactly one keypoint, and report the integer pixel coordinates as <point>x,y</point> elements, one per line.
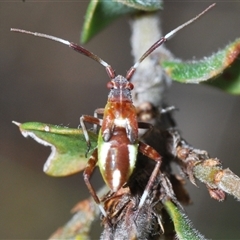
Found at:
<point>132,154</point>
<point>116,179</point>
<point>103,151</point>
<point>120,122</point>
<point>113,152</point>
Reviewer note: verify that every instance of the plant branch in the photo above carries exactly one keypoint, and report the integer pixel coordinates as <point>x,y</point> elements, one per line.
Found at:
<point>197,164</point>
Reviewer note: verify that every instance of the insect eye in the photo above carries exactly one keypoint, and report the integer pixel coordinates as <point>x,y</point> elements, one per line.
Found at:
<point>110,85</point>
<point>130,86</point>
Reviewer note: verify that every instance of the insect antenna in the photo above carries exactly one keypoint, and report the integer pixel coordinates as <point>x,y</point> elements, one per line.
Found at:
<point>162,40</point>
<point>74,46</point>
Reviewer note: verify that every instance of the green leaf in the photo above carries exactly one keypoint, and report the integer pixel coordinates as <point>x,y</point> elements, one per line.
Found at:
<point>68,146</point>
<point>101,13</point>
<point>224,61</point>
<point>182,224</point>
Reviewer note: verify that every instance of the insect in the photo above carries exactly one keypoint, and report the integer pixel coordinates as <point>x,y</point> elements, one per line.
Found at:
<point>118,141</point>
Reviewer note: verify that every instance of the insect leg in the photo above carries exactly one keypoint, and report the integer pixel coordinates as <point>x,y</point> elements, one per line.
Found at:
<point>92,162</point>
<point>89,119</point>
<point>98,111</point>
<point>154,155</point>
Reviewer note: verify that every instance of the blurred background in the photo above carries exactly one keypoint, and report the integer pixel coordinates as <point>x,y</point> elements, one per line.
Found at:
<point>47,82</point>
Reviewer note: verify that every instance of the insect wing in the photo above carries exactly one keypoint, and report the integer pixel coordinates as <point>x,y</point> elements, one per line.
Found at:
<point>68,146</point>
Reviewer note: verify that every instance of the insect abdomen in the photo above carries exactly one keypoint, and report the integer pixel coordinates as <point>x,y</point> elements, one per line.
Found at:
<point>117,158</point>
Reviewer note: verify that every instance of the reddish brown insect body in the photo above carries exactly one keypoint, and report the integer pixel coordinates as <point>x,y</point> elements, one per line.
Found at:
<point>120,131</point>
<point>118,142</point>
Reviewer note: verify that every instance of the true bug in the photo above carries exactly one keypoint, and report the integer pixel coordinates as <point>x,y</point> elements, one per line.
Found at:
<point>118,142</point>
